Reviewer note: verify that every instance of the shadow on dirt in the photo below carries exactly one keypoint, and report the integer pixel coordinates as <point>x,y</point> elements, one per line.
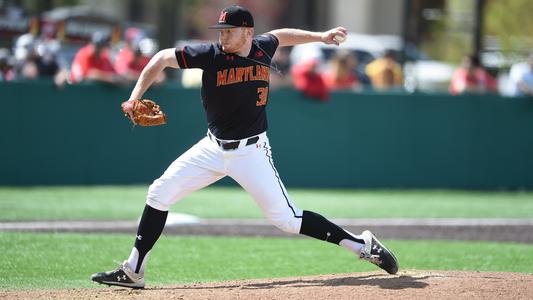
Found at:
<point>384,282</point>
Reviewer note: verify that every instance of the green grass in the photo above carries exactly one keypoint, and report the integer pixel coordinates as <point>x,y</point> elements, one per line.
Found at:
<point>127,202</point>
<point>34,261</point>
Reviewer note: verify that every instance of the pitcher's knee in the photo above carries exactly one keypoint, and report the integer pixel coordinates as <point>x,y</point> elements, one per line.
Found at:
<point>288,224</point>
<point>160,195</point>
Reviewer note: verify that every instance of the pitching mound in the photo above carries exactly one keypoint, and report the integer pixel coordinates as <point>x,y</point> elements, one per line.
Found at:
<point>375,285</point>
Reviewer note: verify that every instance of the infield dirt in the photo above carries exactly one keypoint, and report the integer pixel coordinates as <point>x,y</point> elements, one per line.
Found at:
<point>409,284</point>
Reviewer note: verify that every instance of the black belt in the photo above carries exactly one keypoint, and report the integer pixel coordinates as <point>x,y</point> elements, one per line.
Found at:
<point>233,145</point>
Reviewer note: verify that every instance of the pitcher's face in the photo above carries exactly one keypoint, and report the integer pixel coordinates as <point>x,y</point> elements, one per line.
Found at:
<point>232,39</point>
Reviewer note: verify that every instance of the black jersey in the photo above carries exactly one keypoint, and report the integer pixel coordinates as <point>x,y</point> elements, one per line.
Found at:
<point>234,88</point>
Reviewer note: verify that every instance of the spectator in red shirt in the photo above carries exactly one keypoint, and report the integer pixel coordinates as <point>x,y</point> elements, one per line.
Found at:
<point>93,62</point>
<point>129,61</point>
<point>470,77</point>
<point>309,81</point>
<point>135,55</point>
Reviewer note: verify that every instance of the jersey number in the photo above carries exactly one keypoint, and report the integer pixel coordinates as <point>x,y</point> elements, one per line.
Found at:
<point>263,96</point>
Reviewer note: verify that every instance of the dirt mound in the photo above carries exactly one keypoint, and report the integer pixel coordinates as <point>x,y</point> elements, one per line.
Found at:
<point>405,285</point>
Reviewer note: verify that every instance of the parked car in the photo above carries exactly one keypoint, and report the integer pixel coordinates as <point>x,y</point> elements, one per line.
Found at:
<point>420,72</point>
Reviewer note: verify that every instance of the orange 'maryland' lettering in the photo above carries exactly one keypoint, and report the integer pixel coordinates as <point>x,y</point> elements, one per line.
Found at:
<point>221,77</point>
<point>243,74</point>
<point>231,76</point>
<point>239,73</point>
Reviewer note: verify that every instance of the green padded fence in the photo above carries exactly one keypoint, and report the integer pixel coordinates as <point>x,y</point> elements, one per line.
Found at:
<point>78,135</point>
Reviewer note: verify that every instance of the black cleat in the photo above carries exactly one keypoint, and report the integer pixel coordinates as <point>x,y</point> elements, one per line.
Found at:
<point>376,253</point>
<point>122,276</point>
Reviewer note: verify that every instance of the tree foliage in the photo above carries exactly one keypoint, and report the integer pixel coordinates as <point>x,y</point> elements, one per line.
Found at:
<point>511,23</point>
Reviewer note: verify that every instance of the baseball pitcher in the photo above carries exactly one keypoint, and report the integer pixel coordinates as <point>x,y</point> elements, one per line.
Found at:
<point>235,88</point>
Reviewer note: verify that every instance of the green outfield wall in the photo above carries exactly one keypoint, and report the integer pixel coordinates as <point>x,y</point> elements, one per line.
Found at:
<point>78,135</point>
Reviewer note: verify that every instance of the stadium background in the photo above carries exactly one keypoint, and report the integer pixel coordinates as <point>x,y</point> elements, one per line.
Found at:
<point>445,180</point>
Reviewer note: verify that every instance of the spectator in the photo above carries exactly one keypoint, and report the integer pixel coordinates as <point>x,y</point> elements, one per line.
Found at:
<point>525,83</point>
<point>25,57</point>
<point>126,50</point>
<point>309,81</point>
<point>48,64</point>
<point>35,58</point>
<point>130,61</point>
<point>92,62</point>
<point>343,73</point>
<point>135,54</point>
<point>46,59</point>
<point>6,66</point>
<point>385,73</point>
<point>515,74</point>
<point>470,77</point>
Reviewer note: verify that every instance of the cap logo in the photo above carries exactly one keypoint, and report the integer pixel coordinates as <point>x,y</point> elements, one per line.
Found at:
<point>222,18</point>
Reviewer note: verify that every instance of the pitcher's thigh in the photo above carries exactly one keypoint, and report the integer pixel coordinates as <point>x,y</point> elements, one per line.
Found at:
<point>258,176</point>
<point>195,169</point>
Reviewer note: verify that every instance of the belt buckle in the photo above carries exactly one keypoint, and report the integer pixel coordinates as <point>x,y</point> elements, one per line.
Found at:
<point>235,144</point>
<point>230,145</point>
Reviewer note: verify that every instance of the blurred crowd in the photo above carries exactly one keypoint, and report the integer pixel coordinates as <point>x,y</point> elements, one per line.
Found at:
<point>121,63</point>
<point>98,60</point>
<point>30,59</point>
<point>386,74</point>
<point>342,72</point>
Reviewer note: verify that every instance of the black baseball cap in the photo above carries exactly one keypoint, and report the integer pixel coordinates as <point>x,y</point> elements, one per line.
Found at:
<point>234,16</point>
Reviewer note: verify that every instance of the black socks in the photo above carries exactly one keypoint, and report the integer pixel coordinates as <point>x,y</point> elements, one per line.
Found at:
<point>150,228</point>
<point>318,227</point>
<point>313,225</point>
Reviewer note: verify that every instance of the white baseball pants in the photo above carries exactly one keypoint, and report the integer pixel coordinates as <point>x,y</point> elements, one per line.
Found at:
<point>251,166</point>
